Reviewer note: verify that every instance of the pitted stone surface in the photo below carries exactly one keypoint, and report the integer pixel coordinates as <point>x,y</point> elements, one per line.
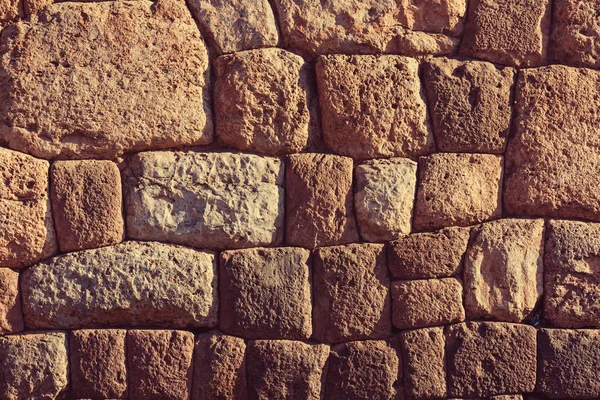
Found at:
<point>9,11</point>
<point>11,314</point>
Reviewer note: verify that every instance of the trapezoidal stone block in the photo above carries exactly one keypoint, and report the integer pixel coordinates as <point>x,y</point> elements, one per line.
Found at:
<point>130,284</point>
<point>141,50</point>
<point>206,200</point>
<point>11,313</point>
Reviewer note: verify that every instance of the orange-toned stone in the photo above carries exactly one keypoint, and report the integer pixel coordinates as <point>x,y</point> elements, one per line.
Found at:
<point>11,314</point>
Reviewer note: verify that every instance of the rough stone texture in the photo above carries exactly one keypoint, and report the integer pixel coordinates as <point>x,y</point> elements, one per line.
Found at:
<point>235,25</point>
<point>159,364</point>
<point>219,367</point>
<point>428,255</point>
<point>26,228</point>
<point>424,361</point>
<point>265,293</point>
<point>363,370</point>
<point>11,314</point>
<point>130,284</point>
<point>284,369</point>
<point>556,124</point>
<point>422,303</point>
<point>205,200</point>
<point>439,16</point>
<point>384,197</point>
<point>458,189</point>
<point>319,209</point>
<point>33,6</point>
<point>423,44</point>
<point>490,358</point>
<point>569,363</point>
<point>511,32</point>
<point>98,364</point>
<point>470,104</point>
<point>9,11</point>
<point>33,366</point>
<point>351,293</point>
<point>503,270</point>
<point>87,204</point>
<point>254,111</point>
<point>105,67</point>
<point>373,106</point>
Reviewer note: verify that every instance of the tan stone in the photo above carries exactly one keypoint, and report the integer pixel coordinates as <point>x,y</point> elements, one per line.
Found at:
<point>373,106</point>
<point>205,200</point>
<point>458,189</point>
<point>470,104</point>
<point>10,10</point>
<point>265,293</point>
<point>87,204</point>
<point>384,197</point>
<point>11,314</point>
<point>235,25</point>
<point>439,16</point>
<point>351,293</point>
<point>34,6</point>
<point>130,284</point>
<point>159,364</point>
<point>98,364</point>
<point>511,32</point>
<point>105,68</point>
<point>423,44</point>
<point>26,228</point>
<point>284,369</point>
<point>490,358</point>
<point>319,209</point>
<point>556,125</point>
<point>33,366</point>
<point>219,367</point>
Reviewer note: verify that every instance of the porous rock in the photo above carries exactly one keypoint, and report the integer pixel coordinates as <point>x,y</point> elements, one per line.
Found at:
<point>11,314</point>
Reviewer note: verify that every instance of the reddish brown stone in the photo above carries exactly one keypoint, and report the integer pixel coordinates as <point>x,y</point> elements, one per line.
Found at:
<point>11,313</point>
<point>424,361</point>
<point>10,10</point>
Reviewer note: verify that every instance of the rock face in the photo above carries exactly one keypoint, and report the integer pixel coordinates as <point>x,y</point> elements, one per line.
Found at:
<point>351,293</point>
<point>87,204</point>
<point>140,51</point>
<point>555,125</point>
<point>33,366</point>
<point>26,228</point>
<point>385,193</point>
<point>490,358</point>
<point>98,364</point>
<point>255,112</point>
<point>130,284</point>
<point>470,103</point>
<point>265,293</point>
<point>205,200</point>
<point>319,209</point>
<point>373,106</point>
<point>507,31</point>
<point>9,11</point>
<point>458,189</point>
<point>232,26</point>
<point>11,315</point>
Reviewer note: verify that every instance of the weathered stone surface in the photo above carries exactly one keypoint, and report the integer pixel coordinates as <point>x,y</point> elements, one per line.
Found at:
<point>33,6</point>
<point>10,11</point>
<point>236,25</point>
<point>503,270</point>
<point>511,32</point>
<point>11,314</point>
<point>130,284</point>
<point>556,124</point>
<point>430,302</point>
<point>440,16</point>
<point>284,369</point>
<point>205,200</point>
<point>159,364</point>
<point>254,111</point>
<point>219,367</point>
<point>373,106</point>
<point>98,364</point>
<point>424,361</point>
<point>33,366</point>
<point>105,67</point>
<point>319,209</point>
<point>421,44</point>
<point>384,197</point>
<point>568,363</point>
<point>490,358</point>
<point>428,255</point>
<point>470,104</point>
<point>458,189</point>
<point>87,204</point>
<point>265,293</point>
<point>351,293</point>
<point>26,228</point>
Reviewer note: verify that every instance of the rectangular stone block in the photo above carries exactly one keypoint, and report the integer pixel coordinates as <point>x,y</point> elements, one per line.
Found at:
<point>11,313</point>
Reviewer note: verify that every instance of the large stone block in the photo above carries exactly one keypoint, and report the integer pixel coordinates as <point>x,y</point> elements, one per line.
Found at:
<point>11,314</point>
<point>130,284</point>
<point>205,200</point>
